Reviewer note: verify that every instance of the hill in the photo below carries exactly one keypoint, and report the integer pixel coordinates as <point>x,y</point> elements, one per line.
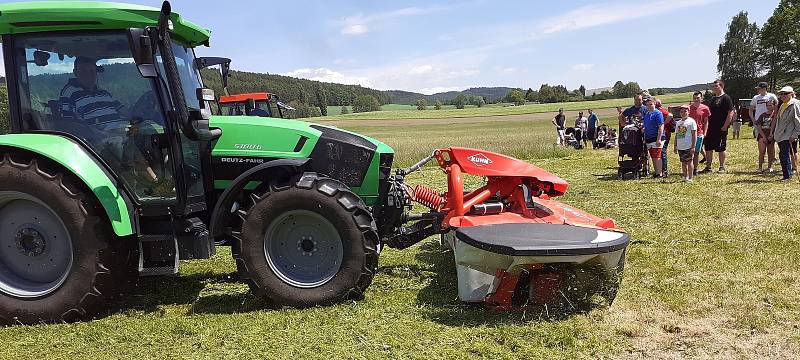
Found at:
<point>407,97</point>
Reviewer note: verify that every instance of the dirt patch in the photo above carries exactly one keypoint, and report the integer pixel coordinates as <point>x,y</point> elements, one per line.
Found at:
<point>663,334</point>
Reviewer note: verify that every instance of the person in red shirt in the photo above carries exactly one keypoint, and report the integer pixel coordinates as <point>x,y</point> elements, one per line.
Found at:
<point>700,113</point>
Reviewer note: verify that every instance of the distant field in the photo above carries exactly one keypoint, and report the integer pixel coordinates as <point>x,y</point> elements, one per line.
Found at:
<point>337,110</point>
<point>394,111</point>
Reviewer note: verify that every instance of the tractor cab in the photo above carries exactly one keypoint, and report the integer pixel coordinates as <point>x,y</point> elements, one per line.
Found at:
<point>252,104</point>
<point>129,96</point>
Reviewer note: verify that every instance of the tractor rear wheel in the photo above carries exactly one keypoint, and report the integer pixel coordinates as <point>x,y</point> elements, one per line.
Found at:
<point>56,259</point>
<point>306,242</point>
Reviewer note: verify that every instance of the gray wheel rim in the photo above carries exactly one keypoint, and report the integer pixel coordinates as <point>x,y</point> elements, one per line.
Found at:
<point>303,248</point>
<point>35,247</point>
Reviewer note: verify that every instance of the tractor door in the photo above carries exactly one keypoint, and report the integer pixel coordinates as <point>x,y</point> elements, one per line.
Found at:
<point>85,85</point>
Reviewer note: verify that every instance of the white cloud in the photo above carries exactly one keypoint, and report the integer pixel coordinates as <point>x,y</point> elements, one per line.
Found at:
<point>344,61</point>
<point>361,23</point>
<point>421,69</point>
<point>608,13</point>
<point>328,75</point>
<point>582,67</point>
<point>354,29</point>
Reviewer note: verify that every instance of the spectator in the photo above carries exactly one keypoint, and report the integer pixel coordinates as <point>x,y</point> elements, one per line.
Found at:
<point>700,113</point>
<point>737,122</point>
<point>637,110</point>
<point>766,144</point>
<point>758,106</point>
<point>787,129</point>
<point>560,121</point>
<point>654,134</point>
<point>722,114</point>
<point>591,133</point>
<point>669,128</point>
<point>685,141</point>
<point>582,123</point>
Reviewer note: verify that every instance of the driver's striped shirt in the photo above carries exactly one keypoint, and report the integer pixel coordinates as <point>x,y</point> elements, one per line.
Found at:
<point>92,106</point>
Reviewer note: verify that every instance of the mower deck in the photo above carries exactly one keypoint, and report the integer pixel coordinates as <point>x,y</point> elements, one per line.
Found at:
<point>520,239</point>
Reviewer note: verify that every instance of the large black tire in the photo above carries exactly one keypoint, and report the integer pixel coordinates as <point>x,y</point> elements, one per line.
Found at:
<point>317,197</point>
<point>97,270</point>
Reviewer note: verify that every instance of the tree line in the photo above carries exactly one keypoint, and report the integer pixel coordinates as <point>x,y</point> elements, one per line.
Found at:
<point>309,97</point>
<point>749,53</point>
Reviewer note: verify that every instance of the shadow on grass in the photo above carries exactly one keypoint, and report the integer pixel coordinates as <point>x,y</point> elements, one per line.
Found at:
<point>440,297</point>
<point>151,293</point>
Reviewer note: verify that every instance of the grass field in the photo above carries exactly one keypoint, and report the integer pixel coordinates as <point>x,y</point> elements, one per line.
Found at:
<point>393,111</point>
<point>711,273</point>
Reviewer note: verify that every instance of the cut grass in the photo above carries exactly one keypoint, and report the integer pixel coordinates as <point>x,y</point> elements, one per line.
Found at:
<point>711,273</point>
<point>410,112</point>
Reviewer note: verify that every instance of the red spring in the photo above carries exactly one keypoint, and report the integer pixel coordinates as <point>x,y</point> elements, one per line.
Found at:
<point>428,197</point>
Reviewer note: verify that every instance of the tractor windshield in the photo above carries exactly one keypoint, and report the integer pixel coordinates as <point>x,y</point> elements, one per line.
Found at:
<point>86,84</point>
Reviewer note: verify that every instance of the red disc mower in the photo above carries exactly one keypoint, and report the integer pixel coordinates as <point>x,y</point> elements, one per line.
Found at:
<point>514,246</point>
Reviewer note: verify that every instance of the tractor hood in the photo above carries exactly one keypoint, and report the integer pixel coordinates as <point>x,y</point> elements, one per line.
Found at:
<point>248,141</point>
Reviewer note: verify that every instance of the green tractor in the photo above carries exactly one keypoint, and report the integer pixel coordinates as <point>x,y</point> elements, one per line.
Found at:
<point>115,169</point>
<point>107,172</point>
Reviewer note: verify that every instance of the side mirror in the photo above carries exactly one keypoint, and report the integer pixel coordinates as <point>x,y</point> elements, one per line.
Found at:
<point>40,58</point>
<point>142,50</point>
<point>224,65</point>
<point>205,96</point>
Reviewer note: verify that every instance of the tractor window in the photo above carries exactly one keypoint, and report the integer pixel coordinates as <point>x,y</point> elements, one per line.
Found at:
<point>87,85</point>
<point>232,108</point>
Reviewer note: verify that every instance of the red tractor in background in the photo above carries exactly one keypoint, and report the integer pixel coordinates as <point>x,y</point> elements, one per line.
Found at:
<point>253,104</point>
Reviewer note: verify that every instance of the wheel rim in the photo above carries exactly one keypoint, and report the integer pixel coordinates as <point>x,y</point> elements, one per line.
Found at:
<point>303,248</point>
<point>35,246</point>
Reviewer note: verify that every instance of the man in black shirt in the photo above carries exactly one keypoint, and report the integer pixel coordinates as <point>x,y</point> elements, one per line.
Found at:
<point>559,121</point>
<point>722,114</point>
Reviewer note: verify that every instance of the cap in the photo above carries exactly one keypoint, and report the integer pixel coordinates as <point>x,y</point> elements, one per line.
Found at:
<point>786,90</point>
<point>646,98</point>
<point>762,85</point>
<point>685,107</point>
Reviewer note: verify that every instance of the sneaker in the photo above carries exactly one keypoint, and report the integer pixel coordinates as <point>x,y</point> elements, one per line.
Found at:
<point>705,170</point>
<point>689,180</point>
<point>721,170</point>
<point>785,179</point>
<point>694,172</point>
<point>770,170</point>
<point>760,171</point>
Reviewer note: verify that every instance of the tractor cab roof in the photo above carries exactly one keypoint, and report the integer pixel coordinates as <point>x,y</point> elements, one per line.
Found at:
<point>244,97</point>
<point>41,16</point>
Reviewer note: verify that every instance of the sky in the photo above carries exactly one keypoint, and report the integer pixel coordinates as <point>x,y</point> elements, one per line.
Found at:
<point>429,47</point>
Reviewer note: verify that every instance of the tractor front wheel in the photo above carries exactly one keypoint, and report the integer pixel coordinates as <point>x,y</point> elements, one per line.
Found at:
<point>57,260</point>
<point>307,242</point>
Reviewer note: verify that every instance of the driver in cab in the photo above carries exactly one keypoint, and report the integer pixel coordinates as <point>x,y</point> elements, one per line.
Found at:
<point>81,101</point>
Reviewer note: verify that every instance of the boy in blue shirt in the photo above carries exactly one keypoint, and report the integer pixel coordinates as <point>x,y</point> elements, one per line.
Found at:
<point>653,122</point>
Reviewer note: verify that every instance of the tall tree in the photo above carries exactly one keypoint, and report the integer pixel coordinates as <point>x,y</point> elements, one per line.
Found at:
<point>582,90</point>
<point>619,89</point>
<point>780,44</point>
<point>322,100</point>
<point>737,64</point>
<point>460,101</point>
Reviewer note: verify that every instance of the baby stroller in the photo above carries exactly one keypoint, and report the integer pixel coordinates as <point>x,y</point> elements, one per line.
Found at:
<point>574,137</point>
<point>632,152</point>
<point>611,139</point>
<point>601,137</point>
